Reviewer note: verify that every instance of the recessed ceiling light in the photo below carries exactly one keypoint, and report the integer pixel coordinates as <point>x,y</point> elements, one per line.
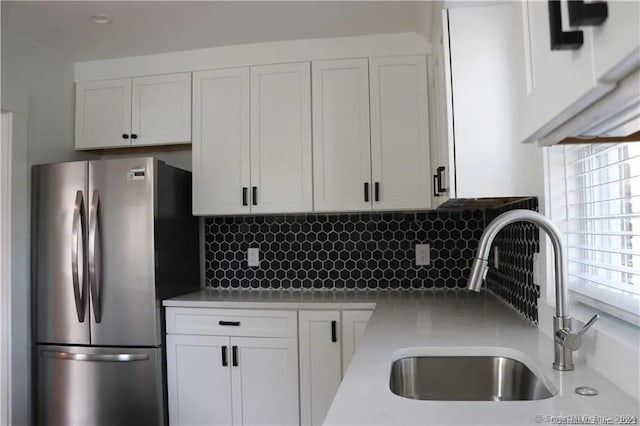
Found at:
<point>101,19</point>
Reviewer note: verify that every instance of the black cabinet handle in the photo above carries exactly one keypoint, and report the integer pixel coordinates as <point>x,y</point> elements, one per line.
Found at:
<point>233,323</point>
<point>591,14</point>
<point>245,190</point>
<point>224,356</point>
<point>439,172</point>
<point>134,136</point>
<point>125,136</point>
<point>234,356</point>
<point>376,190</point>
<point>334,331</point>
<point>366,192</point>
<point>435,186</point>
<point>562,40</point>
<point>254,195</point>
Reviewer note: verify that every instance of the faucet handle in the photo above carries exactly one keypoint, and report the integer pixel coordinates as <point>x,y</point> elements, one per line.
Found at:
<point>588,325</point>
<point>573,341</point>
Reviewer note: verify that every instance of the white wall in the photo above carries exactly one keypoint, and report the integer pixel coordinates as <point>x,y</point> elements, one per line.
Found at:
<point>38,85</point>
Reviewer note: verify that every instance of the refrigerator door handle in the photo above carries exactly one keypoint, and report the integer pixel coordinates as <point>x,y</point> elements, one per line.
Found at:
<point>94,258</point>
<point>95,357</point>
<point>77,238</point>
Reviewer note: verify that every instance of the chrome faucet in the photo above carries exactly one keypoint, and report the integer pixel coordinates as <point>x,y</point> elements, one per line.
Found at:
<point>565,342</point>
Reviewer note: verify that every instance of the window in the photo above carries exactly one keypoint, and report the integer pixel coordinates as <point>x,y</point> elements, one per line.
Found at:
<point>595,197</point>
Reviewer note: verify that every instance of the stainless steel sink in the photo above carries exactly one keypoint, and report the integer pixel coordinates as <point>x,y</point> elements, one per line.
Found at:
<point>465,378</point>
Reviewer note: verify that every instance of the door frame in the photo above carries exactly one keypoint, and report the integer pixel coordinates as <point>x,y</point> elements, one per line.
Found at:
<point>5,267</point>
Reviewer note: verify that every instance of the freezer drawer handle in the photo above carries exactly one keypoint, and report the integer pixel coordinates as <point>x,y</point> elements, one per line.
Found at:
<point>94,257</point>
<point>95,357</point>
<point>77,239</point>
<point>233,323</point>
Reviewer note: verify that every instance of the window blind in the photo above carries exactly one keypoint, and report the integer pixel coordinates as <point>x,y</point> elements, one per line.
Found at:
<point>602,223</point>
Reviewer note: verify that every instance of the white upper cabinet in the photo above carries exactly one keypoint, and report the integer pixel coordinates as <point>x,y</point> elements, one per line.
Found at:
<point>399,133</point>
<point>281,165</point>
<point>616,42</point>
<point>161,109</point>
<point>103,114</point>
<point>221,120</point>
<point>561,83</point>
<point>488,162</point>
<point>341,142</point>
<point>140,111</point>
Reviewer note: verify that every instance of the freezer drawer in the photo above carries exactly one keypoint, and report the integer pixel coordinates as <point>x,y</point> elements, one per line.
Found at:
<point>92,386</point>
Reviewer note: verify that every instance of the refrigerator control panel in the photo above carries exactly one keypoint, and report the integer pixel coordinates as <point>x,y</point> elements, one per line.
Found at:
<point>136,174</point>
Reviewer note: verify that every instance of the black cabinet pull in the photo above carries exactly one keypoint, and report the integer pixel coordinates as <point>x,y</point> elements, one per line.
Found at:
<point>376,190</point>
<point>435,186</point>
<point>334,331</point>
<point>125,136</point>
<point>234,356</point>
<point>134,136</point>
<point>366,192</point>
<point>591,14</point>
<point>245,190</point>
<point>562,40</point>
<point>439,172</point>
<point>254,195</point>
<point>224,356</point>
<point>233,323</point>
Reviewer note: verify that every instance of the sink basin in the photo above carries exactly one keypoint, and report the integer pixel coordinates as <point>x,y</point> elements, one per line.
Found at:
<point>465,378</point>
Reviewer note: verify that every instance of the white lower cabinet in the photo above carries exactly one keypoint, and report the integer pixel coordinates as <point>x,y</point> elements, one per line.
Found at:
<point>199,384</point>
<point>264,381</point>
<point>232,380</point>
<point>325,338</point>
<point>354,323</point>
<point>320,366</point>
<point>241,366</point>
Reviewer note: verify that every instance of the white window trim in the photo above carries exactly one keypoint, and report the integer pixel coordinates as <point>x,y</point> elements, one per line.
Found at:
<point>5,268</point>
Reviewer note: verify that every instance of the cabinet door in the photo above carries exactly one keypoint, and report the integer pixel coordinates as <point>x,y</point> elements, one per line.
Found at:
<point>439,141</point>
<point>319,363</point>
<point>281,177</point>
<point>354,323</point>
<point>399,133</point>
<point>265,381</point>
<point>221,142</point>
<point>488,161</point>
<point>199,385</point>
<point>103,114</point>
<point>161,109</point>
<point>341,142</point>
<point>559,83</point>
<point>616,42</point>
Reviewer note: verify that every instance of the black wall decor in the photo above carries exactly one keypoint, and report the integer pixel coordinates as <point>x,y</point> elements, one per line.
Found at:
<point>361,251</point>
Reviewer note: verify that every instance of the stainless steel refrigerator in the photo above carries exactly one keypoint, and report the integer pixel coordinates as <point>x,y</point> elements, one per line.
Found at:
<point>111,239</point>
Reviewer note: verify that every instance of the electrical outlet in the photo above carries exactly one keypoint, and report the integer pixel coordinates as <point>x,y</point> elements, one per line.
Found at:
<point>496,258</point>
<point>253,257</point>
<point>423,254</point>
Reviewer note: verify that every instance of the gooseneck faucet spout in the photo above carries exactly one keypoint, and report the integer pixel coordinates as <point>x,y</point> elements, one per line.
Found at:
<point>565,341</point>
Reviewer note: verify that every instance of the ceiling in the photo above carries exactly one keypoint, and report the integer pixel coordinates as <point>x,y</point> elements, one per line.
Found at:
<point>148,27</point>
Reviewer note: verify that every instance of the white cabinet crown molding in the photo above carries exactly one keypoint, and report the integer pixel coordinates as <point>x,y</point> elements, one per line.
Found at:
<point>253,54</point>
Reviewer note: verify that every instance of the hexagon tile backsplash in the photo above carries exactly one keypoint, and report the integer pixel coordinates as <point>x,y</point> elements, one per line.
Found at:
<point>350,251</point>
